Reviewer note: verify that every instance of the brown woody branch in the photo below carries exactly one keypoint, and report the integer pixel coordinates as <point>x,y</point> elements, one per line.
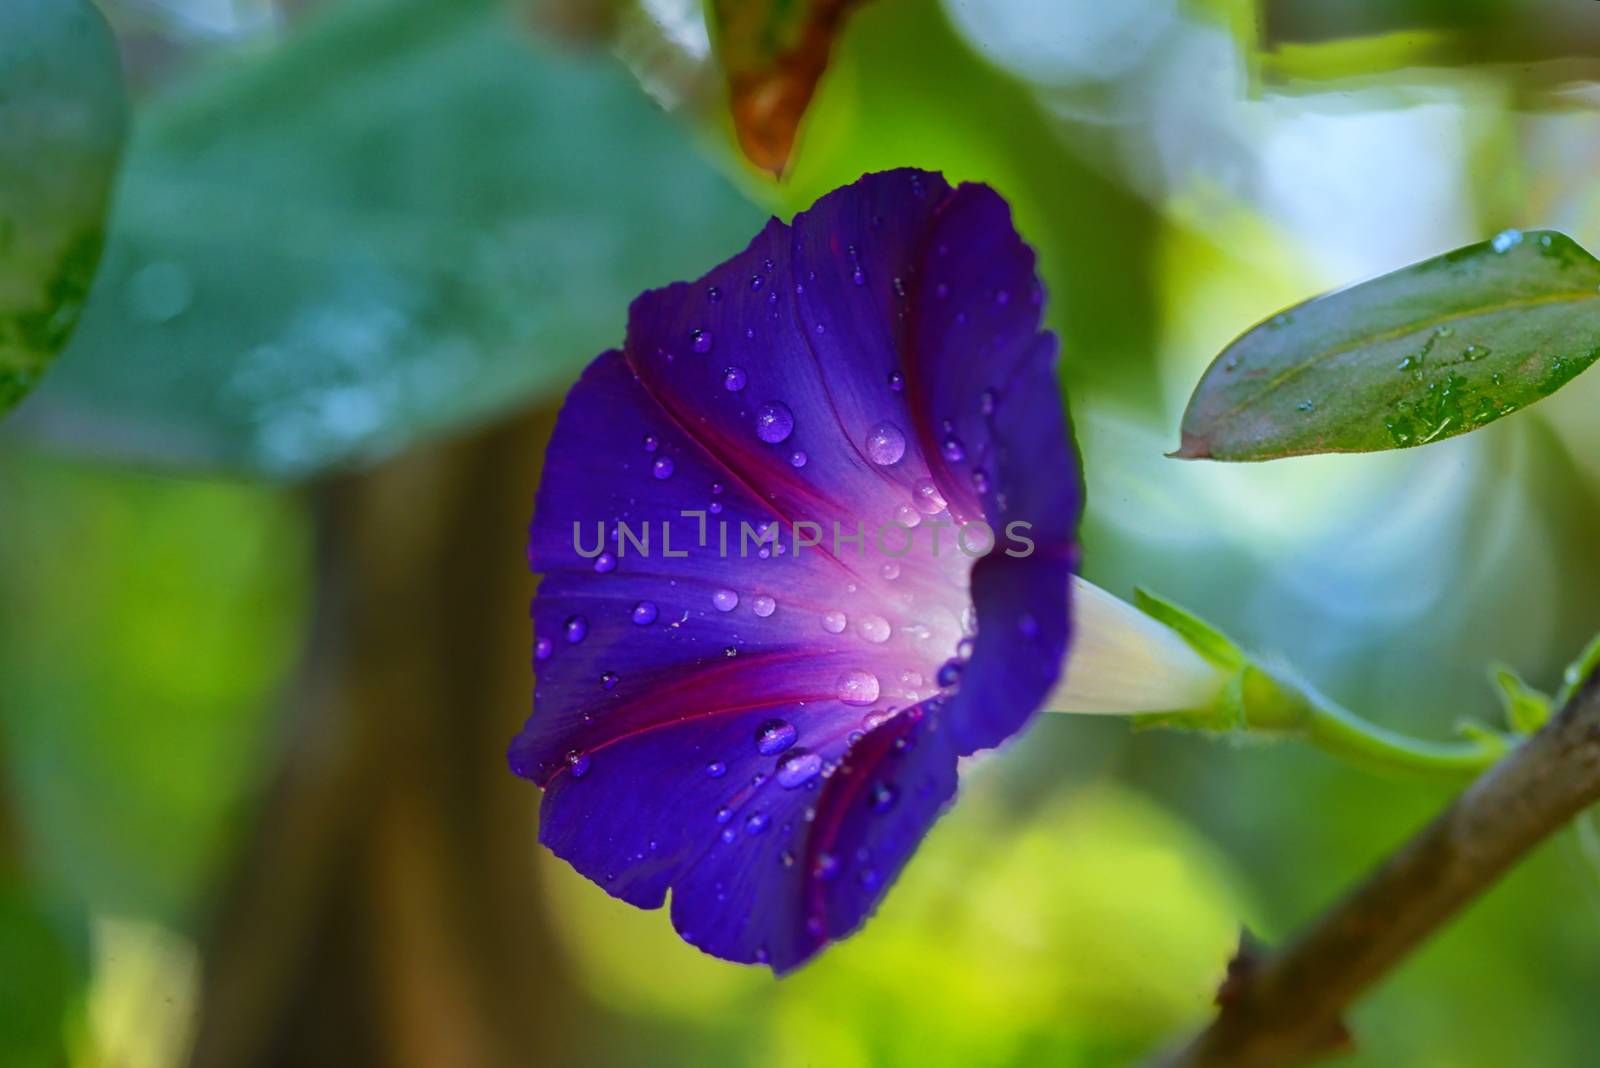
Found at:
<point>1287,1006</point>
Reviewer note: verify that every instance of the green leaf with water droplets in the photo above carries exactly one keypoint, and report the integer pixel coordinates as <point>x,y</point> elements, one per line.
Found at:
<point>409,217</point>
<point>61,128</point>
<point>1425,353</point>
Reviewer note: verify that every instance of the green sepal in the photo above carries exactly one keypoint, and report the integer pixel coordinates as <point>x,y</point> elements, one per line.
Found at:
<point>1202,637</point>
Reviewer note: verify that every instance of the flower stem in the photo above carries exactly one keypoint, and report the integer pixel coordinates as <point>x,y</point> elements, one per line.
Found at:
<point>1343,734</point>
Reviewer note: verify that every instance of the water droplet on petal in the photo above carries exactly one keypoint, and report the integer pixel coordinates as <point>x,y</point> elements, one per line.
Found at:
<point>724,815</point>
<point>949,673</point>
<point>980,480</point>
<point>645,613</point>
<point>725,600</point>
<point>609,680</point>
<point>763,606</point>
<point>1475,353</point>
<point>875,629</point>
<point>927,498</point>
<point>700,340</point>
<point>774,736</point>
<point>798,768</point>
<point>897,381</point>
<point>734,379</point>
<point>953,450</point>
<point>542,648</point>
<point>605,562</point>
<point>858,687</point>
<point>884,795</point>
<point>575,629</point>
<point>757,823</point>
<point>886,444</point>
<point>578,761</point>
<point>833,622</point>
<point>797,459</point>
<point>890,570</point>
<point>713,294</point>
<point>716,769</point>
<point>774,422</point>
<point>651,443</point>
<point>663,467</point>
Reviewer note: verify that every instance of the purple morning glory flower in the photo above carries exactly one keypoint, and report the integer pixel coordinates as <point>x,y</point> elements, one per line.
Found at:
<point>756,671</point>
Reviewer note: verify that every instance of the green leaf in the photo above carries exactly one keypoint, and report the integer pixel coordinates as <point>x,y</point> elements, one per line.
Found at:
<point>410,217</point>
<point>1578,672</point>
<point>1426,353</point>
<point>1526,709</point>
<point>62,117</point>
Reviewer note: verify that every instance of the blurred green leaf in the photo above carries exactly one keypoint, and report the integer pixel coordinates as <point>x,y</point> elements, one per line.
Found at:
<point>1526,709</point>
<point>1578,672</point>
<point>43,969</point>
<point>145,627</point>
<point>409,217</point>
<point>1425,353</point>
<point>773,53</point>
<point>62,118</point>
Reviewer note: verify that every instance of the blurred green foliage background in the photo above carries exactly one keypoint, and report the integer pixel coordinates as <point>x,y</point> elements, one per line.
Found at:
<point>261,580</point>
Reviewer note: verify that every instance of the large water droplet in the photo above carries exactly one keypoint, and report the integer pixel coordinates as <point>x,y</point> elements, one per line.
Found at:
<point>774,422</point>
<point>886,444</point>
<point>927,498</point>
<point>874,628</point>
<point>858,687</point>
<point>1506,240</point>
<point>645,613</point>
<point>725,600</point>
<point>774,736</point>
<point>575,629</point>
<point>799,768</point>
<point>734,379</point>
<point>763,606</point>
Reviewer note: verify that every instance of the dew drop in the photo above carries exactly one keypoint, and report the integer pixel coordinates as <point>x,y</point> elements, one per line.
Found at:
<point>949,673</point>
<point>757,823</point>
<point>575,629</point>
<point>605,562</point>
<point>886,444</point>
<point>884,795</point>
<point>734,379</point>
<point>797,459</point>
<point>725,600</point>
<point>724,814</point>
<point>1506,240</point>
<point>799,768</point>
<point>645,613</point>
<point>858,687</point>
<point>927,498</point>
<point>774,422</point>
<point>701,341</point>
<point>651,443</point>
<point>542,648</point>
<point>663,467</point>
<point>833,622</point>
<point>953,450</point>
<point>980,480</point>
<point>1475,353</point>
<point>608,680</point>
<point>876,630</point>
<point>578,761</point>
<point>716,769</point>
<point>763,606</point>
<point>897,381</point>
<point>890,570</point>
<point>774,736</point>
